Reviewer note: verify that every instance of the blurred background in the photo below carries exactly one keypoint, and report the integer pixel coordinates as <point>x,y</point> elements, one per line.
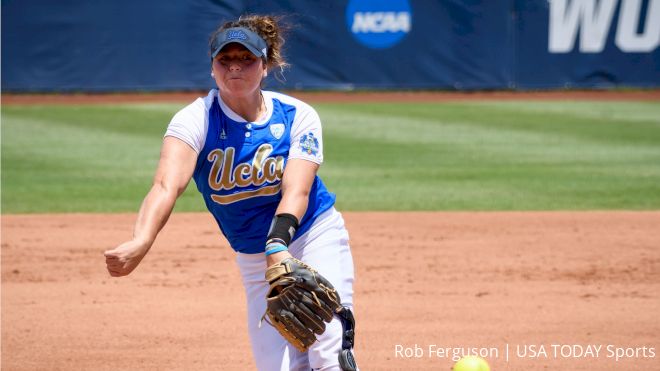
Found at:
<point>147,45</point>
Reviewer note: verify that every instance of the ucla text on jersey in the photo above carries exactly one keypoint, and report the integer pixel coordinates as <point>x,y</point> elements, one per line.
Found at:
<point>240,168</point>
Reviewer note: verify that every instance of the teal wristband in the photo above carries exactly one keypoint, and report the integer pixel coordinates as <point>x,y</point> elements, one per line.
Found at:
<point>273,248</point>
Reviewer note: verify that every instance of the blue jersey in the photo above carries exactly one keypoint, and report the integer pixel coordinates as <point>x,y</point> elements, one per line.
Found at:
<point>240,166</point>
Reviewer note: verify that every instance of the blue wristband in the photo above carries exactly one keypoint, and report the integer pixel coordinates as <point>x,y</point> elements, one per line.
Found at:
<point>272,248</point>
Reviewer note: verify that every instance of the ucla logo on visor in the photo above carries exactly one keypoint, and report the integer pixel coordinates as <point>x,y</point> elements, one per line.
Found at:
<point>379,24</point>
<point>250,39</point>
<point>236,35</point>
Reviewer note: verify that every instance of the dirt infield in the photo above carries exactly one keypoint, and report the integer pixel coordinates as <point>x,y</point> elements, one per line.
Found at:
<point>425,281</point>
<point>341,97</point>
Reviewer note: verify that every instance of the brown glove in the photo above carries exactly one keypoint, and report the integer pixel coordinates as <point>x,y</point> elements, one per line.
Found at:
<point>299,302</point>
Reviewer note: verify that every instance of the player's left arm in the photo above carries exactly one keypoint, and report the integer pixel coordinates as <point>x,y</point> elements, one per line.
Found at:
<point>305,157</point>
<point>296,184</point>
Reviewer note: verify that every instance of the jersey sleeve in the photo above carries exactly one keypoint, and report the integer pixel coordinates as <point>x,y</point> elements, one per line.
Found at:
<point>306,136</point>
<point>190,125</point>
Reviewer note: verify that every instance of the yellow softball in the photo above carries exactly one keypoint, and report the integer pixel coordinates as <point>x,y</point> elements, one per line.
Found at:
<point>471,363</point>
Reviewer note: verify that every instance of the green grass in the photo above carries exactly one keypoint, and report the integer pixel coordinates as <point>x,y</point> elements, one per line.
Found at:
<point>429,156</point>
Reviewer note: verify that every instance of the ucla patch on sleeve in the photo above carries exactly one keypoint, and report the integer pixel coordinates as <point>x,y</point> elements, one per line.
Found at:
<point>309,144</point>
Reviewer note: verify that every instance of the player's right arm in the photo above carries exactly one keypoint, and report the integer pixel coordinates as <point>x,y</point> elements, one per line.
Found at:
<point>175,169</point>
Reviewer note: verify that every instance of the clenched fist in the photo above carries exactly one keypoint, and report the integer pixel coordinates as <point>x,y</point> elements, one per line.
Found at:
<point>124,258</point>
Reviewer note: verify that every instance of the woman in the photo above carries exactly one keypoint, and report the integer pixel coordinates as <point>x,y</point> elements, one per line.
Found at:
<point>254,156</point>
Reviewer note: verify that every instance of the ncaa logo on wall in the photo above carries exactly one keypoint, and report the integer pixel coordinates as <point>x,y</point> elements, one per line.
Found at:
<point>379,24</point>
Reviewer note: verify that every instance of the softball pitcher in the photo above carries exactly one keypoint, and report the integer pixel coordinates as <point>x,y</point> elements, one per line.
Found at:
<point>254,156</point>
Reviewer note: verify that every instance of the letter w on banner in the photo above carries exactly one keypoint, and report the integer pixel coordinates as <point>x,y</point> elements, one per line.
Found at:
<point>594,18</point>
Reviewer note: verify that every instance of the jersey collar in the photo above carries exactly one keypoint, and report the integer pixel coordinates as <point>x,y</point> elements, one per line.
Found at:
<point>235,117</point>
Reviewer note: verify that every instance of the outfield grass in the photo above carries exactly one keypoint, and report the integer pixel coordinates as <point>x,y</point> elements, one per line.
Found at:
<point>428,156</point>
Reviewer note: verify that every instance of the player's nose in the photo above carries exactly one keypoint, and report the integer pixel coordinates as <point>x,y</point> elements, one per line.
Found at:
<point>234,66</point>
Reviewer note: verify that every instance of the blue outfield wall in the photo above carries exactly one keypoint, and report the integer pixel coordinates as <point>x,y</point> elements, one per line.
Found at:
<point>122,45</point>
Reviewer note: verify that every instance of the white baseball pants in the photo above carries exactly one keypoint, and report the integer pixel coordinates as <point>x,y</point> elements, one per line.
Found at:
<point>325,248</point>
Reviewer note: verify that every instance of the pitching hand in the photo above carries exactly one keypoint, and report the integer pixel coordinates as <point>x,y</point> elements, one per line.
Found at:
<point>124,258</point>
